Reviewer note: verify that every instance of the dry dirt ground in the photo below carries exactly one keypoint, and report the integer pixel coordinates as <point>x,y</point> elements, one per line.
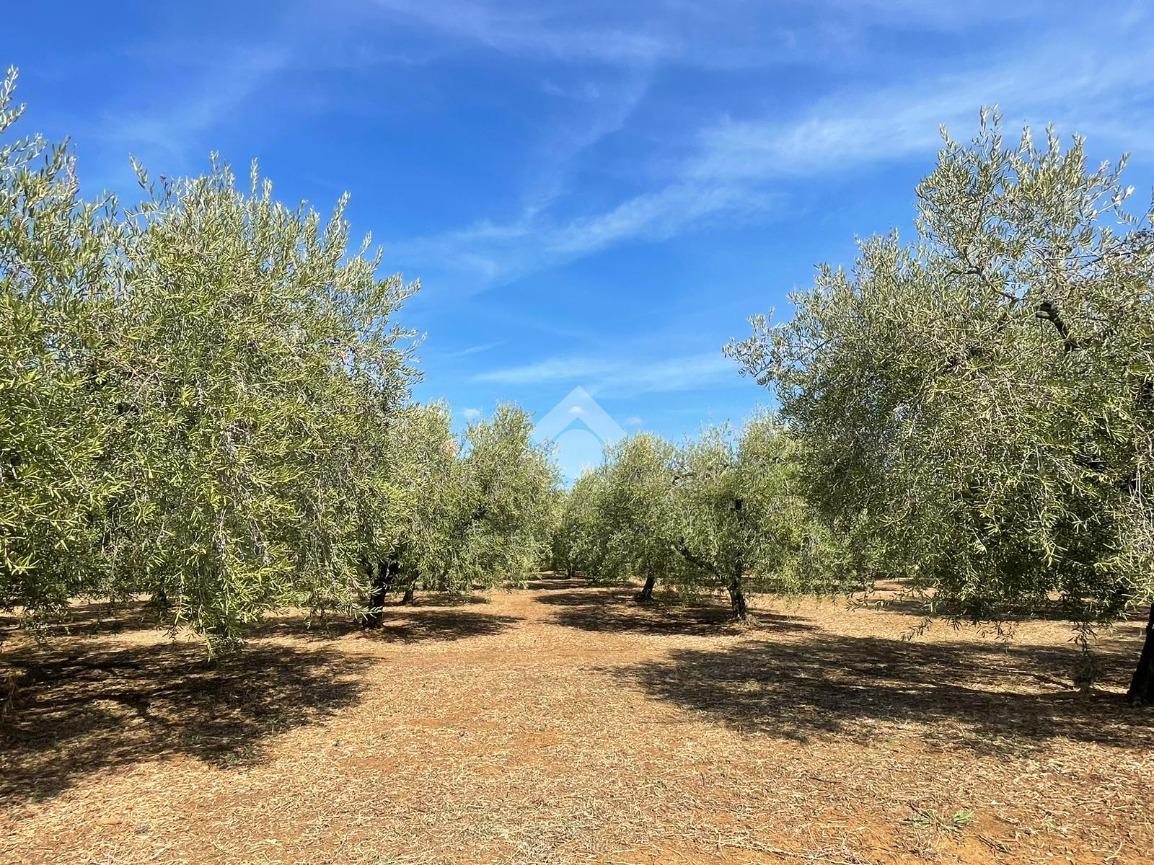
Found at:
<point>566,724</point>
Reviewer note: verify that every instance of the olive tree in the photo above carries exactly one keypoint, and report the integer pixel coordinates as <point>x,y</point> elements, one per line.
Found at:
<point>56,417</point>
<point>195,396</point>
<point>617,515</point>
<point>258,369</point>
<point>507,501</point>
<point>577,538</point>
<point>637,506</point>
<point>976,408</point>
<point>736,513</point>
<point>426,471</point>
<point>484,507</point>
<point>716,512</point>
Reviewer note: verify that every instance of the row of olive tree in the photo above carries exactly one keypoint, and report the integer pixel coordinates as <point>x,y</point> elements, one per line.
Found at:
<point>975,411</point>
<point>723,511</point>
<point>483,508</point>
<point>206,399</point>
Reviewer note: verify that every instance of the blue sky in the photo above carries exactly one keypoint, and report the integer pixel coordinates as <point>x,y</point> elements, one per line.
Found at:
<point>594,194</point>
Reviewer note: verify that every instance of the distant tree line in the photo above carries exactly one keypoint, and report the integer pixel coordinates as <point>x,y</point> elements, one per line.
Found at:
<point>723,511</point>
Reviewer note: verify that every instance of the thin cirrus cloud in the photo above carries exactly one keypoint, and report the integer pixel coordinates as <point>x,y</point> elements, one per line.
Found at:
<point>737,167</point>
<point>726,34</point>
<point>499,252</point>
<point>217,97</point>
<point>535,30</point>
<point>621,377</point>
<point>217,88</point>
<point>469,350</point>
<point>729,166</point>
<point>855,129</point>
<point>594,112</point>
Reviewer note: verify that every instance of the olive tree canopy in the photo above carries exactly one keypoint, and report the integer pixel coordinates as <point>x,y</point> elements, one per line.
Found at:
<point>195,396</point>
<point>975,409</point>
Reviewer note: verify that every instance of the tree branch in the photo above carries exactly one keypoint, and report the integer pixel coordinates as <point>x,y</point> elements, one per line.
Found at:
<point>1048,311</point>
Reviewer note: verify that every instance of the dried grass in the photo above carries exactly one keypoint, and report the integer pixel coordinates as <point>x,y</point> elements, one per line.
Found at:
<point>566,724</point>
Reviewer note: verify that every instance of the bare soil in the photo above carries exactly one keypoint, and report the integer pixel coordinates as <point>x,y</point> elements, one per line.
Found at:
<point>567,724</point>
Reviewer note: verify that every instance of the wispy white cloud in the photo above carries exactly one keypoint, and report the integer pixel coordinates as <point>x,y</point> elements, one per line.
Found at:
<point>724,34</point>
<point>734,167</point>
<point>592,110</point>
<point>471,414</point>
<point>930,15</point>
<point>851,129</point>
<point>738,167</point>
<point>212,99</point>
<point>534,29</point>
<point>469,350</point>
<point>499,252</point>
<point>546,371</point>
<point>622,376</point>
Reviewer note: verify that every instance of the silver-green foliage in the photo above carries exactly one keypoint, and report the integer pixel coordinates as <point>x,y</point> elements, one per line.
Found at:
<point>738,517</point>
<point>719,511</point>
<point>976,409</point>
<point>426,467</point>
<point>259,369</point>
<point>616,517</point>
<point>195,397</point>
<point>54,419</point>
<point>482,506</point>
<point>508,498</point>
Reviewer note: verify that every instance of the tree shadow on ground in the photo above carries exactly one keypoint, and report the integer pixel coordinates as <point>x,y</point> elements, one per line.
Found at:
<point>590,596</point>
<point>403,624</point>
<point>448,599</point>
<point>416,626</point>
<point>988,698</point>
<point>76,715</point>
<point>94,619</point>
<point>912,605</point>
<point>617,610</point>
<point>549,581</point>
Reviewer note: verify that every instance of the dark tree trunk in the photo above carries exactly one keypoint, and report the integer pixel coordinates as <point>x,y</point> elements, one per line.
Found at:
<point>736,596</point>
<point>382,583</point>
<point>160,599</point>
<point>647,590</point>
<point>410,597</point>
<point>1141,691</point>
<point>737,600</point>
<point>377,591</point>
